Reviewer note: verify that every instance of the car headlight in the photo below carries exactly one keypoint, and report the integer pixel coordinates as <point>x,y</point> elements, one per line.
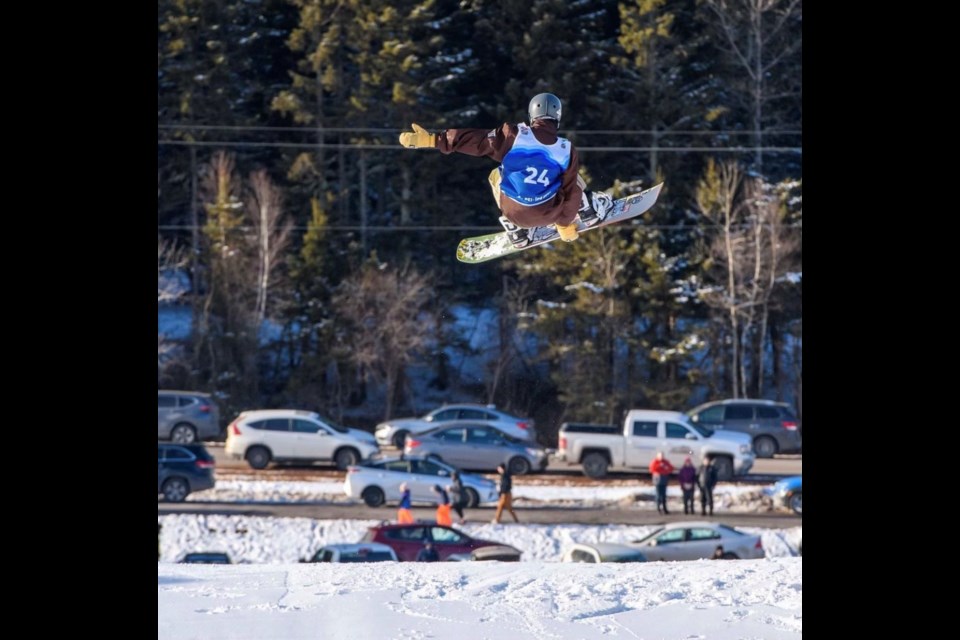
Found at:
<point>746,448</point>
<point>536,453</point>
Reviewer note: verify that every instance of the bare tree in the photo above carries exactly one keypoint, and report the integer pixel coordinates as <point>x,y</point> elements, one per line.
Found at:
<point>265,208</point>
<point>716,197</point>
<point>514,308</point>
<point>171,260</point>
<point>227,336</point>
<point>761,38</point>
<point>753,250</point>
<point>389,319</point>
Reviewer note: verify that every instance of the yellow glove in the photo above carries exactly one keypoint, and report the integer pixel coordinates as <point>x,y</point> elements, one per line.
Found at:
<point>420,138</point>
<point>568,233</point>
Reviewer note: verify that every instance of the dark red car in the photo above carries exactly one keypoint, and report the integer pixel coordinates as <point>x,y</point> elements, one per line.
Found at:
<point>407,539</point>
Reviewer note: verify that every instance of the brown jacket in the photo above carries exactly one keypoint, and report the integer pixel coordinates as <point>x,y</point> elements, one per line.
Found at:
<point>495,144</point>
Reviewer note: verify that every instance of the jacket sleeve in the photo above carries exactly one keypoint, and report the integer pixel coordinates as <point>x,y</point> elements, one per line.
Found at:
<point>491,143</point>
<point>570,190</point>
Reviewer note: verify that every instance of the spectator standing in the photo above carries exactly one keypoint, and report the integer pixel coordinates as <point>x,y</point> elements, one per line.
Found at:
<point>688,482</point>
<point>661,469</point>
<point>443,506</point>
<point>707,479</point>
<point>457,495</point>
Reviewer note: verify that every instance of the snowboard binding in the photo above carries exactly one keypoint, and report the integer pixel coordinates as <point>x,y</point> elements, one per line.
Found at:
<point>518,236</point>
<point>594,207</point>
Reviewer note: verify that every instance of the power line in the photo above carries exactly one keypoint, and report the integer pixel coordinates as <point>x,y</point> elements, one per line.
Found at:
<point>396,147</point>
<point>419,228</point>
<point>387,130</point>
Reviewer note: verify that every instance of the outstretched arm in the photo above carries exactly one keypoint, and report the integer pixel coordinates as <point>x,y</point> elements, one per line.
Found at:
<point>490,143</point>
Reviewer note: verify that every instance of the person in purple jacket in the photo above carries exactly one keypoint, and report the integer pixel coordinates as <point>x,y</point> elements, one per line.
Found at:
<point>688,481</point>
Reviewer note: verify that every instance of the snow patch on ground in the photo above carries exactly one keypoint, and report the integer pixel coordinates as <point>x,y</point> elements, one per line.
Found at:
<point>265,540</point>
<point>704,600</point>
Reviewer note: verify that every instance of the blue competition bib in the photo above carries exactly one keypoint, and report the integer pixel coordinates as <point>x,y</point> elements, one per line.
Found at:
<point>531,170</point>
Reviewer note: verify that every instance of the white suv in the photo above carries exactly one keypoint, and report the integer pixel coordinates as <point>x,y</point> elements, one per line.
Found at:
<point>289,434</point>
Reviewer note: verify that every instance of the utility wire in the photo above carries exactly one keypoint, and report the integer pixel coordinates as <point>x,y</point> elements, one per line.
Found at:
<point>397,147</point>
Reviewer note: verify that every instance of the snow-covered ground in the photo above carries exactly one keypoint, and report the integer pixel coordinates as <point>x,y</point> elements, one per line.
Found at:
<point>270,595</point>
<point>704,600</point>
<point>728,497</point>
<point>288,540</point>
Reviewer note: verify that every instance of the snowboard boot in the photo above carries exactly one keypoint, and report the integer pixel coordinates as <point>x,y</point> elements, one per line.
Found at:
<point>594,207</point>
<point>517,235</point>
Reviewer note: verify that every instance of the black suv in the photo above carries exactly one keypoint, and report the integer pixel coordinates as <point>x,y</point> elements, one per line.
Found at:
<point>183,469</point>
<point>772,425</point>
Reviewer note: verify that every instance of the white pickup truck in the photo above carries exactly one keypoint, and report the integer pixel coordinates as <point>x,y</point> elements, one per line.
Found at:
<point>600,448</point>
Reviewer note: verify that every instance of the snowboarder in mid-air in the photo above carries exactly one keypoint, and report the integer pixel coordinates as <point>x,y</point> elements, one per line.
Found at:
<point>537,183</point>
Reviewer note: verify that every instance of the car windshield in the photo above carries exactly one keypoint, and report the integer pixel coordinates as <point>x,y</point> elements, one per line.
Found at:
<point>706,432</point>
<point>649,536</point>
<point>336,427</point>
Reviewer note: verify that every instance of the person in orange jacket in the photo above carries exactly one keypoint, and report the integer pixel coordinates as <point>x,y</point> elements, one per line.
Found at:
<point>443,506</point>
<point>404,515</point>
<point>661,469</point>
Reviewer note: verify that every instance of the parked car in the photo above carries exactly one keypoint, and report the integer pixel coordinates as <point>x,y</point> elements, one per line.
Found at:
<point>633,445</point>
<point>285,435</point>
<point>394,431</point>
<point>378,481</point>
<point>183,469</point>
<point>773,426</point>
<point>407,539</point>
<point>602,552</point>
<point>789,493</point>
<point>472,445</point>
<point>206,557</point>
<point>359,552</point>
<point>186,416</point>
<point>501,553</point>
<point>696,540</point>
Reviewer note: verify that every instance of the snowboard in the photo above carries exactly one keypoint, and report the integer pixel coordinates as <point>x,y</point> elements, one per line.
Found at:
<point>497,245</point>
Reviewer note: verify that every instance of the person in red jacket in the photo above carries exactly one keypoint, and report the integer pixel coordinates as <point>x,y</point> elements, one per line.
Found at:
<point>537,182</point>
<point>661,470</point>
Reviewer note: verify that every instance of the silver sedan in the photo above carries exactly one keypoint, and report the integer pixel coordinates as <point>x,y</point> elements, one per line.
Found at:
<point>471,445</point>
<point>378,481</point>
<point>696,540</point>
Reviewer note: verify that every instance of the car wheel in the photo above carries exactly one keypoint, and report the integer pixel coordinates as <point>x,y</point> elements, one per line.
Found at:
<point>399,438</point>
<point>594,465</point>
<point>519,466</point>
<point>724,468</point>
<point>175,490</point>
<point>373,496</point>
<point>346,458</point>
<point>473,498</point>
<point>183,434</point>
<point>796,503</point>
<point>730,555</point>
<point>258,457</point>
<point>765,447</point>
